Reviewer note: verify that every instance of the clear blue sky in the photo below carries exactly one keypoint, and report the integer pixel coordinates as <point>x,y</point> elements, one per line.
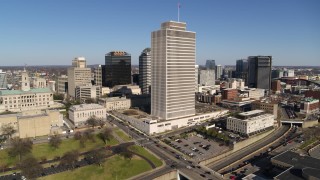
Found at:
<point>53,32</point>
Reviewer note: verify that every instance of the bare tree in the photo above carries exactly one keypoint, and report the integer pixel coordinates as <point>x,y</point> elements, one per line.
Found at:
<point>92,122</point>
<point>30,167</point>
<point>96,156</point>
<point>70,158</point>
<point>20,147</point>
<point>101,123</point>
<point>77,135</point>
<point>8,130</point>
<point>105,134</point>
<point>127,155</point>
<point>55,141</point>
<point>88,134</point>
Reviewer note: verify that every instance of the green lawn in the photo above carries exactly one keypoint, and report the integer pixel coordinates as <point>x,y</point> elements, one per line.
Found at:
<point>115,167</point>
<point>140,150</point>
<point>122,135</point>
<point>45,150</point>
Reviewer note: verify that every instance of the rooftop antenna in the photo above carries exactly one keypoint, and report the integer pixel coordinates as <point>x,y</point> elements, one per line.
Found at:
<point>179,5</point>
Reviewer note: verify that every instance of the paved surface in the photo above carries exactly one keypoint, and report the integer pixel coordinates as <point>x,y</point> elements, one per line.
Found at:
<point>168,156</point>
<point>248,150</point>
<point>315,152</point>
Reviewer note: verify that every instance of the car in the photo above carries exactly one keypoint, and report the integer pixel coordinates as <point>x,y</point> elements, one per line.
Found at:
<point>202,175</point>
<point>188,167</point>
<point>198,167</point>
<point>173,166</point>
<point>208,172</point>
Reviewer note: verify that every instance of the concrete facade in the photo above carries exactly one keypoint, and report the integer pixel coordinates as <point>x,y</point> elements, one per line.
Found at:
<point>62,84</point>
<point>78,114</point>
<point>250,122</point>
<point>173,71</point>
<point>145,71</point>
<point>88,92</point>
<point>34,123</point>
<point>115,103</point>
<point>269,107</point>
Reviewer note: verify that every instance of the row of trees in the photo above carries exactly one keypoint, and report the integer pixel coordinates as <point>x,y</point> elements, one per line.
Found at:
<point>213,133</point>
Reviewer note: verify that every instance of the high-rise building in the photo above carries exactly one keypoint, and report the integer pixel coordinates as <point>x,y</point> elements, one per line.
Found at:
<point>242,70</point>
<point>211,64</point>
<point>173,71</point>
<point>218,71</point>
<point>276,86</point>
<point>98,76</point>
<point>3,80</point>
<point>259,68</point>
<point>78,75</point>
<point>145,71</point>
<point>117,69</point>
<point>206,77</point>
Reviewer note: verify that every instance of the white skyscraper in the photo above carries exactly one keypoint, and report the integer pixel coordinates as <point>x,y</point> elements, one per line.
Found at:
<point>173,71</point>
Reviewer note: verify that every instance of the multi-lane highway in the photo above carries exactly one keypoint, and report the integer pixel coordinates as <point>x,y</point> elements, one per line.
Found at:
<point>188,167</point>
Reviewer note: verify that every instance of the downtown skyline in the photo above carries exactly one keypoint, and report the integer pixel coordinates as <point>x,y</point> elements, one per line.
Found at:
<point>53,33</point>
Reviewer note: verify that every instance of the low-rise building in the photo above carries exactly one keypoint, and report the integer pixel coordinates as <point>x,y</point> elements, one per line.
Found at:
<point>34,123</point>
<point>78,114</point>
<point>309,105</point>
<point>115,103</point>
<point>250,122</point>
<point>269,107</point>
<point>229,93</point>
<point>18,100</point>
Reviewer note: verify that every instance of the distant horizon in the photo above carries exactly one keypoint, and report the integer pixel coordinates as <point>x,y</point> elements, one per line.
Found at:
<point>54,32</point>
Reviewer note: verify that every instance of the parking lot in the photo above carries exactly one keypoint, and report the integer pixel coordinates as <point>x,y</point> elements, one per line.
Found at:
<point>198,148</point>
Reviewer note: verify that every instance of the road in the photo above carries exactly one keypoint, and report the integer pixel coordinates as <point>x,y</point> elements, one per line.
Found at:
<point>216,166</point>
<point>168,155</point>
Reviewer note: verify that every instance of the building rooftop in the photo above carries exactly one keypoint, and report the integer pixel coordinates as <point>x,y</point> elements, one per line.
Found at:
<point>20,92</point>
<point>251,113</point>
<point>83,107</point>
<point>299,166</point>
<point>113,99</point>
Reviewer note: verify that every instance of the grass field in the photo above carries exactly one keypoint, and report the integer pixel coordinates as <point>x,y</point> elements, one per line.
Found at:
<point>45,150</point>
<point>122,135</point>
<point>114,168</point>
<point>140,150</point>
<point>308,142</point>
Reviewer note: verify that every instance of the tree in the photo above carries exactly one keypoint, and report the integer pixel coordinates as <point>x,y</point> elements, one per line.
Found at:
<point>101,123</point>
<point>92,121</point>
<point>8,130</point>
<point>127,155</point>
<point>70,158</point>
<point>77,135</point>
<point>30,167</point>
<point>119,149</point>
<point>55,141</point>
<point>105,134</point>
<point>58,96</point>
<point>20,147</point>
<point>96,156</point>
<point>88,134</point>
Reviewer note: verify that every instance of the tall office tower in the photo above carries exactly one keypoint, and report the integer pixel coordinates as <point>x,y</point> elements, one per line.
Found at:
<point>197,78</point>
<point>211,64</point>
<point>242,70</point>
<point>172,71</point>
<point>97,79</point>
<point>78,75</point>
<point>117,68</point>
<point>206,77</point>
<point>25,82</point>
<point>145,71</point>
<point>3,80</point>
<point>218,71</point>
<point>259,72</point>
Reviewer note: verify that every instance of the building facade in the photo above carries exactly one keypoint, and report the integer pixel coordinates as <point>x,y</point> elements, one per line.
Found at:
<point>218,71</point>
<point>173,69</point>
<point>34,123</point>
<point>145,71</point>
<point>269,107</point>
<point>78,75</point>
<point>206,77</point>
<point>248,123</point>
<point>117,68</point>
<point>211,64</point>
<point>79,114</point>
<point>309,105</point>
<point>88,92</point>
<point>97,79</point>
<point>62,84</point>
<point>229,94</point>
<point>3,80</point>
<point>259,72</point>
<point>115,103</point>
